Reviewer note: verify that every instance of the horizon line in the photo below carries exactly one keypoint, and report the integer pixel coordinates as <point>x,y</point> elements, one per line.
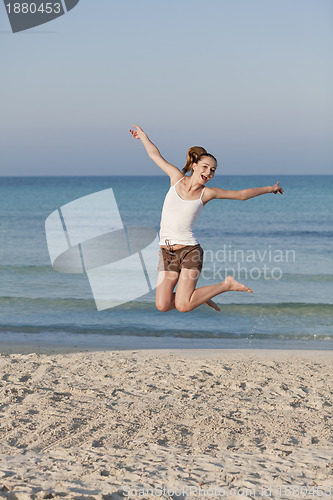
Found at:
<point>158,175</point>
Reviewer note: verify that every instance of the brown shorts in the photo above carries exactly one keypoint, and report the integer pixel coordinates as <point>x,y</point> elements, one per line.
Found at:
<point>189,257</point>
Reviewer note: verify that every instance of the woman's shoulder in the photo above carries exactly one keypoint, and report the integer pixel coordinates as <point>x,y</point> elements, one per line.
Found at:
<point>177,177</point>
<point>209,194</point>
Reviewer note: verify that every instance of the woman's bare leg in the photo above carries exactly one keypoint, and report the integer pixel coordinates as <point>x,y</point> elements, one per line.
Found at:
<point>165,295</point>
<point>188,297</point>
<point>212,304</point>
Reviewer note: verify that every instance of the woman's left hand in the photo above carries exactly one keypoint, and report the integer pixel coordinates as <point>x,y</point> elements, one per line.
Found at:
<point>138,133</point>
<point>277,188</point>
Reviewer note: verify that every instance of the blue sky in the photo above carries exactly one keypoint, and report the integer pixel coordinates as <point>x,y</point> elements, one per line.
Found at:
<point>250,80</point>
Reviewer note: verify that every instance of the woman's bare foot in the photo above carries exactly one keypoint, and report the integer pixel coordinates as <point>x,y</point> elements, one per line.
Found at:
<point>234,286</point>
<point>212,304</point>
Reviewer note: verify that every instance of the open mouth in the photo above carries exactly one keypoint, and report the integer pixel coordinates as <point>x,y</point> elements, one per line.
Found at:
<point>204,178</point>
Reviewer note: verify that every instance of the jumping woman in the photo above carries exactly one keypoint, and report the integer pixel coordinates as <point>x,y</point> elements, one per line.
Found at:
<point>181,256</point>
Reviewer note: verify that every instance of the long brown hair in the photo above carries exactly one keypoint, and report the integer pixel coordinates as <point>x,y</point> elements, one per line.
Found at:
<point>194,154</point>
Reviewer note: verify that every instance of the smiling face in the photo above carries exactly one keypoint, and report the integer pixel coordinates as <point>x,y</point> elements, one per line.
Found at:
<point>205,169</point>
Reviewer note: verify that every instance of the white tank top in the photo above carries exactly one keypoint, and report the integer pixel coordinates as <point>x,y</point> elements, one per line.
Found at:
<point>178,217</point>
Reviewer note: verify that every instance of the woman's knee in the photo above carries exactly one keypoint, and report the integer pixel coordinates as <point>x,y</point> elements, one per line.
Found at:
<point>182,306</point>
<point>163,305</point>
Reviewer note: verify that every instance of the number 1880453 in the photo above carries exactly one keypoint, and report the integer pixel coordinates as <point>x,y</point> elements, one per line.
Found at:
<point>33,8</point>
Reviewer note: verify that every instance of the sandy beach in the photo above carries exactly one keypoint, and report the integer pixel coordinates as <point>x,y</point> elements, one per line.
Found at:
<point>168,424</point>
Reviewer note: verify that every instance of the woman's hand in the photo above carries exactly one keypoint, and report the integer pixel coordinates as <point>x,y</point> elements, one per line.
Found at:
<point>173,172</point>
<point>277,188</point>
<point>138,133</point>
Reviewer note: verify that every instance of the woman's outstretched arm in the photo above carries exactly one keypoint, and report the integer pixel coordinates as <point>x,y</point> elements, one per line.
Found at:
<point>244,194</point>
<point>173,172</point>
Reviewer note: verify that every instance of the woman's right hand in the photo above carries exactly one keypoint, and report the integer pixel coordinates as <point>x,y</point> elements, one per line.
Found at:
<point>138,133</point>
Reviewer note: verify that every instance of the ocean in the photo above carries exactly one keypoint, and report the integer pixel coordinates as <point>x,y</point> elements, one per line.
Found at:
<point>280,246</point>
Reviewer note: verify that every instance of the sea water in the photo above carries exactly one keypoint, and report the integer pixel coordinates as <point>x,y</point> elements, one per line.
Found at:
<point>280,246</point>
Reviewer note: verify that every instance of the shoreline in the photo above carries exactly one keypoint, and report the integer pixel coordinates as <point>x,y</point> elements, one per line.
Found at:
<point>25,348</point>
<point>127,344</point>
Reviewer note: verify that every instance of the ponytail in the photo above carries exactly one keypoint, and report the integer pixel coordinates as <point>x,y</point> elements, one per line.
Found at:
<point>195,154</point>
<point>192,157</point>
